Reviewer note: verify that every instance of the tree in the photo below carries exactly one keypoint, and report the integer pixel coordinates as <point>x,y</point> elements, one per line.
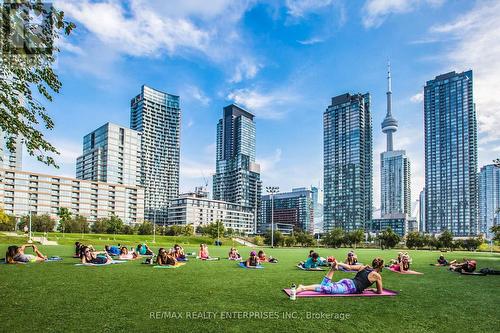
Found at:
<point>354,237</point>
<point>258,240</point>
<point>39,223</point>
<point>389,239</point>
<point>128,230</point>
<point>64,219</point>
<point>114,225</point>
<point>414,240</point>
<point>497,162</point>
<point>214,230</point>
<point>334,238</point>
<point>290,241</point>
<point>27,73</point>
<point>472,243</point>
<point>279,239</point>
<point>100,226</point>
<point>304,239</point>
<point>446,239</point>
<point>7,222</point>
<point>146,228</point>
<point>188,230</point>
<point>496,230</point>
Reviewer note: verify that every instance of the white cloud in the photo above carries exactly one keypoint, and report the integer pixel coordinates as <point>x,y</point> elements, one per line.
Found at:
<point>265,105</point>
<point>375,12</point>
<point>268,164</point>
<point>300,8</point>
<point>417,98</point>
<point>477,35</point>
<point>311,41</point>
<point>197,94</point>
<point>141,28</point>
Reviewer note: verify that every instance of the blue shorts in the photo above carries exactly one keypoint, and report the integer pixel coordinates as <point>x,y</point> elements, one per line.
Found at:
<point>344,286</point>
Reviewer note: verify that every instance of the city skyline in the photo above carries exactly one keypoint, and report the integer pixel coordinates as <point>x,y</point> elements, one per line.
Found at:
<point>295,94</point>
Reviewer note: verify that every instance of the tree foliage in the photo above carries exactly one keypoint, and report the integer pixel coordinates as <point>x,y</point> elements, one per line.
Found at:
<point>446,239</point>
<point>414,240</point>
<point>389,239</point>
<point>27,73</point>
<point>39,223</point>
<point>7,222</point>
<point>74,224</point>
<point>496,230</point>
<point>279,239</point>
<point>354,237</point>
<point>334,238</point>
<point>304,238</point>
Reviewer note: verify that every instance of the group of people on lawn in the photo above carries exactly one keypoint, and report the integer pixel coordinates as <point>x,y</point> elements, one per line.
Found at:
<point>366,275</point>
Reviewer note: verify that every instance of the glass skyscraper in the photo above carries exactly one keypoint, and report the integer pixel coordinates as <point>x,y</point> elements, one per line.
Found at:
<point>348,162</point>
<point>295,208</point>
<point>237,176</point>
<point>450,155</point>
<point>111,154</point>
<point>489,198</point>
<point>11,159</point>
<point>395,192</point>
<point>157,116</point>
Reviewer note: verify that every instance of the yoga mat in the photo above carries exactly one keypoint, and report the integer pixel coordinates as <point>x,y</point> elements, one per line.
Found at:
<point>179,264</point>
<point>209,259</point>
<point>106,264</point>
<point>54,259</point>
<point>242,265</point>
<point>366,293</point>
<point>410,272</point>
<point>473,273</point>
<point>311,269</point>
<point>342,269</point>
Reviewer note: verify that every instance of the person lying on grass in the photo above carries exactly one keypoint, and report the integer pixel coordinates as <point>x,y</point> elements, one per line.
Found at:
<point>15,254</point>
<point>89,256</point>
<point>125,255</point>
<point>441,261</point>
<point>253,261</point>
<point>365,277</point>
<point>144,250</point>
<point>467,266</point>
<point>403,265</point>
<point>233,254</point>
<point>352,259</point>
<point>112,250</point>
<point>263,258</point>
<point>165,258</point>
<point>313,262</point>
<point>178,252</point>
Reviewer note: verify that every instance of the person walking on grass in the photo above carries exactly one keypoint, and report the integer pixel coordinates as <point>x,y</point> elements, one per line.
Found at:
<point>15,254</point>
<point>366,276</point>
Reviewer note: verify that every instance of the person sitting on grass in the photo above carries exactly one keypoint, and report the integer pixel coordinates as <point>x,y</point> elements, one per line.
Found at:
<point>88,256</point>
<point>112,250</point>
<point>365,277</point>
<point>165,258</point>
<point>144,250</point>
<point>233,254</point>
<point>352,259</point>
<point>203,252</point>
<point>253,261</point>
<point>15,254</point>
<point>178,252</point>
<point>125,255</point>
<point>403,265</point>
<point>312,263</point>
<point>398,259</point>
<point>467,266</point>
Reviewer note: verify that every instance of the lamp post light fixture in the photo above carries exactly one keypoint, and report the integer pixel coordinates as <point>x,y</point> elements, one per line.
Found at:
<point>272,190</point>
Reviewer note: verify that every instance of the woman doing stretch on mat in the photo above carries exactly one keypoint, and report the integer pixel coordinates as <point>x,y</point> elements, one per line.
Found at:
<point>88,256</point>
<point>233,254</point>
<point>144,250</point>
<point>365,277</point>
<point>125,255</point>
<point>203,252</point>
<point>468,266</point>
<point>352,259</point>
<point>179,252</point>
<point>442,261</point>
<point>165,258</point>
<point>403,265</point>
<point>16,254</point>
<point>253,261</point>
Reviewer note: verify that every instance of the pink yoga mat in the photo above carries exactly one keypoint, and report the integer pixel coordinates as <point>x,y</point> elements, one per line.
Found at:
<point>406,272</point>
<point>386,292</point>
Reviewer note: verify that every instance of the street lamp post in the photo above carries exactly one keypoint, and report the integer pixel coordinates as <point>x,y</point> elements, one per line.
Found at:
<point>154,227</point>
<point>30,240</point>
<point>272,190</point>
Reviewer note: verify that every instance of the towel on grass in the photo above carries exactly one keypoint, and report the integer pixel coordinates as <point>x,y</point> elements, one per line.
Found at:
<point>106,264</point>
<point>409,272</point>
<point>177,265</point>
<point>299,266</point>
<point>243,265</point>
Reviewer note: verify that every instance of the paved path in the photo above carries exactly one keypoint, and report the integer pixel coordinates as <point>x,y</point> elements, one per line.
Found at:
<point>41,240</point>
<point>244,242</point>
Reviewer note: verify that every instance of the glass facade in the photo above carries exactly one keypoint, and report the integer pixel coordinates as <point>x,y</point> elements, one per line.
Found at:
<point>451,189</point>
<point>348,163</point>
<point>11,159</point>
<point>110,154</point>
<point>489,199</point>
<point>157,116</point>
<point>237,176</point>
<point>295,208</point>
<point>395,183</point>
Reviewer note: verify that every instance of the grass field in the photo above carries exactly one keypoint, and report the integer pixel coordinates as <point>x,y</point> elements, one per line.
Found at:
<point>62,297</point>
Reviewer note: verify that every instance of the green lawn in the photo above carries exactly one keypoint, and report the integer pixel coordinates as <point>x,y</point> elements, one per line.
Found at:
<point>62,297</point>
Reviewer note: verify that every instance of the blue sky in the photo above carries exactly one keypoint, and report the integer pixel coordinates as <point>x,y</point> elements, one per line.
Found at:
<point>283,61</point>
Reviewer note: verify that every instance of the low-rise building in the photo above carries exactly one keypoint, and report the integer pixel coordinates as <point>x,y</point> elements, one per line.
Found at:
<point>22,192</point>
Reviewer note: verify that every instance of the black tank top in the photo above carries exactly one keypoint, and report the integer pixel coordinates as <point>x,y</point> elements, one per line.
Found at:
<point>361,280</point>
